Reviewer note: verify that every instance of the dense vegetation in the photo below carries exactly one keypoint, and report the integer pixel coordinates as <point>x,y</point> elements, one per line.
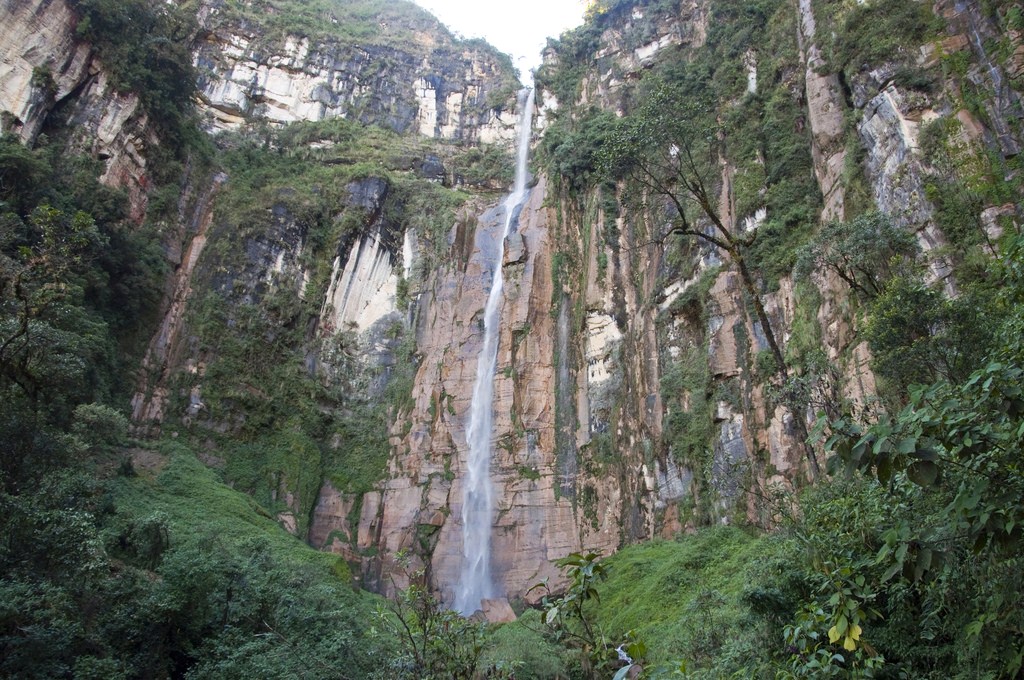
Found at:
<point>116,562</point>
<point>127,558</point>
<point>280,426</point>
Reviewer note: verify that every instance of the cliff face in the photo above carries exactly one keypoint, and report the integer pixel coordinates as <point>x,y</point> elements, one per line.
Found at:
<point>322,325</point>
<point>428,84</point>
<point>538,516</point>
<point>44,68</point>
<point>662,342</point>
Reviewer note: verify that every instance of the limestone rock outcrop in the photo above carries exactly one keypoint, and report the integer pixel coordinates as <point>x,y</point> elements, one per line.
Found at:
<point>42,62</point>
<point>434,85</point>
<point>42,65</point>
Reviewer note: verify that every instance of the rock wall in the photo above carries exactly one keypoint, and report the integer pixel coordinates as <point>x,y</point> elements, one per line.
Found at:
<point>438,88</point>
<point>41,62</point>
<point>43,67</point>
<point>417,510</point>
<point>596,319</point>
<point>163,355</point>
<point>622,345</point>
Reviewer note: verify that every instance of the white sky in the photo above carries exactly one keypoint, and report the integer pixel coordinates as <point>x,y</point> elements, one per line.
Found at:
<point>517,27</point>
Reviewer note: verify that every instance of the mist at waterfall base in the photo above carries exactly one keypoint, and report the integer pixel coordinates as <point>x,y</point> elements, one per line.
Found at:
<point>475,581</point>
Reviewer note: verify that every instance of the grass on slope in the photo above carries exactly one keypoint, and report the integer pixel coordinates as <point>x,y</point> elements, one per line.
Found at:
<point>172,481</point>
<point>690,599</point>
<point>239,595</point>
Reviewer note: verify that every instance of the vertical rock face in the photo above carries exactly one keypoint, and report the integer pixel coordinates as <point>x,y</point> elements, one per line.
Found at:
<point>150,399</point>
<point>364,285</point>
<point>632,320</point>
<point>420,504</point>
<point>630,399</point>
<point>435,87</point>
<point>43,66</point>
<point>42,62</point>
<point>825,115</point>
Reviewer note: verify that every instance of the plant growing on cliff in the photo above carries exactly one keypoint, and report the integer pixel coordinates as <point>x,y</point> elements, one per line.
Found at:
<point>145,47</point>
<point>864,252</point>
<point>668,148</point>
<point>942,543</point>
<point>671,148</point>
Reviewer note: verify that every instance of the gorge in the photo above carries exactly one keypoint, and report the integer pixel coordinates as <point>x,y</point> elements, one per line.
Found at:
<point>728,382</point>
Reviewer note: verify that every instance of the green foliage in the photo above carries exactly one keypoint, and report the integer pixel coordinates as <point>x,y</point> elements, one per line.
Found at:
<point>169,573</point>
<point>569,618</point>
<point>101,428</point>
<point>863,252</point>
<point>76,285</point>
<point>484,166</point>
<point>964,178</point>
<point>689,427</point>
<point>572,147</point>
<point>75,279</point>
<point>870,33</point>
<point>280,464</point>
<point>957,211</point>
<point>945,541</point>
<point>435,642</point>
<point>73,276</point>
<point>690,600</point>
<point>23,176</point>
<point>520,648</point>
<point>917,334</point>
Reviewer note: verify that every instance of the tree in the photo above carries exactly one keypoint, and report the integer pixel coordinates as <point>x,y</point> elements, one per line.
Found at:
<point>864,252</point>
<point>568,619</point>
<point>918,335</point>
<point>954,454</point>
<point>435,641</point>
<point>668,147</point>
<point>39,294</point>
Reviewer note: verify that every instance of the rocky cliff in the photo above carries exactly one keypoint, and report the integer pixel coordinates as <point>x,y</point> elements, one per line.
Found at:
<point>320,332</point>
<point>671,400</point>
<point>45,69</point>
<point>407,77</point>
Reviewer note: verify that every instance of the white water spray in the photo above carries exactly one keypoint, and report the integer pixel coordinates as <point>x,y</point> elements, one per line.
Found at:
<point>475,582</point>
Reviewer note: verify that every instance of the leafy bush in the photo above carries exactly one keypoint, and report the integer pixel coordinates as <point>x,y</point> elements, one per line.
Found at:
<point>145,47</point>
<point>917,334</point>
<point>870,33</point>
<point>863,252</point>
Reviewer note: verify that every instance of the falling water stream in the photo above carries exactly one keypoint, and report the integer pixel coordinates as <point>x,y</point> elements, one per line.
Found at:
<point>475,583</point>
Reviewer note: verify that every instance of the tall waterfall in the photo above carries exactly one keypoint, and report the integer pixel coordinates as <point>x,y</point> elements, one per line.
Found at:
<point>475,582</point>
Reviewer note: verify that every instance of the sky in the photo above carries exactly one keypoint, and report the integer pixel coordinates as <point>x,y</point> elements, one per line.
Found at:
<point>519,28</point>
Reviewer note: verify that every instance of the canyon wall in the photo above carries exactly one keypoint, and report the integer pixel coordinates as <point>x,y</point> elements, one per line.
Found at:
<point>634,396</point>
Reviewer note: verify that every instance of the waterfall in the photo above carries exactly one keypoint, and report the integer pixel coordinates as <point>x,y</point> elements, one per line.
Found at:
<point>475,582</point>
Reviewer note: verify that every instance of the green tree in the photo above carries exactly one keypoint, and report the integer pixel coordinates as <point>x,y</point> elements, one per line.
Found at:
<point>435,641</point>
<point>917,334</point>
<point>669,148</point>
<point>953,455</point>
<point>865,252</point>
<point>572,623</point>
